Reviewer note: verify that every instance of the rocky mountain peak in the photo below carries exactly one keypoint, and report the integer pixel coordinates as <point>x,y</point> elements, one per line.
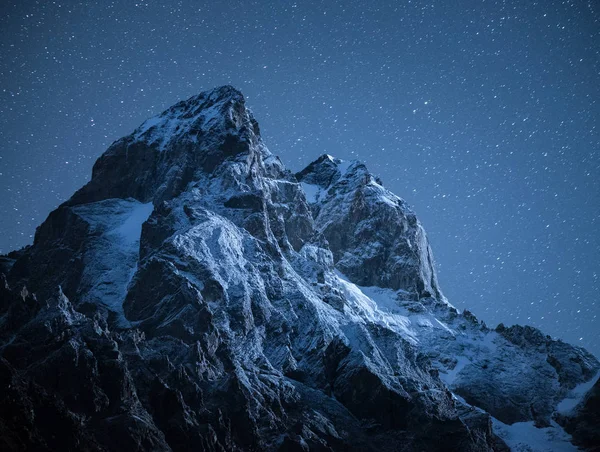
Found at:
<point>327,170</point>
<point>215,112</point>
<point>375,237</point>
<point>168,151</point>
<point>196,295</point>
<point>322,172</point>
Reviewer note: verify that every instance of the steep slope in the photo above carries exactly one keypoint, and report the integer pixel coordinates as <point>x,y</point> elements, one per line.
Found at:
<point>196,295</point>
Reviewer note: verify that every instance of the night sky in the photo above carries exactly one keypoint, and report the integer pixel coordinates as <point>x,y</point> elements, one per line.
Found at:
<point>484,117</point>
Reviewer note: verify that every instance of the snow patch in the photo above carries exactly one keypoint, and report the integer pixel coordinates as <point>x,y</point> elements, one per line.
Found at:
<point>131,229</point>
<point>311,191</point>
<point>384,195</point>
<point>380,307</point>
<point>525,437</point>
<point>112,255</point>
<point>576,395</point>
<point>148,124</point>
<point>449,376</point>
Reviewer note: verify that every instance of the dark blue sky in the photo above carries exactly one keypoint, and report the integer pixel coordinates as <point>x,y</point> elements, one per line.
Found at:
<point>483,115</point>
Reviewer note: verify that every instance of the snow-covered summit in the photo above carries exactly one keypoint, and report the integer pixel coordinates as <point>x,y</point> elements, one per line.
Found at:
<point>211,112</point>
<point>171,150</point>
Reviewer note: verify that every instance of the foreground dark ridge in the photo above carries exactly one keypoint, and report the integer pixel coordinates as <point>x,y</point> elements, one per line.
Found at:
<point>196,295</point>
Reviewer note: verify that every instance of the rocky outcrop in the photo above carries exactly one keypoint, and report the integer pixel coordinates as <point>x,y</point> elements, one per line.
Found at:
<point>375,237</point>
<point>196,295</point>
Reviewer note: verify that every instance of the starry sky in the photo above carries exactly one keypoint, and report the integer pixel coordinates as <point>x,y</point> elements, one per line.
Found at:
<point>483,115</point>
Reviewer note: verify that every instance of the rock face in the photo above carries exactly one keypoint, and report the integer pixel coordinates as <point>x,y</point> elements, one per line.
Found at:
<point>196,295</point>
<point>375,238</point>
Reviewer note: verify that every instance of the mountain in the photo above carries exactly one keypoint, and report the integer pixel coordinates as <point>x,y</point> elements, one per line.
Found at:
<point>197,295</point>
